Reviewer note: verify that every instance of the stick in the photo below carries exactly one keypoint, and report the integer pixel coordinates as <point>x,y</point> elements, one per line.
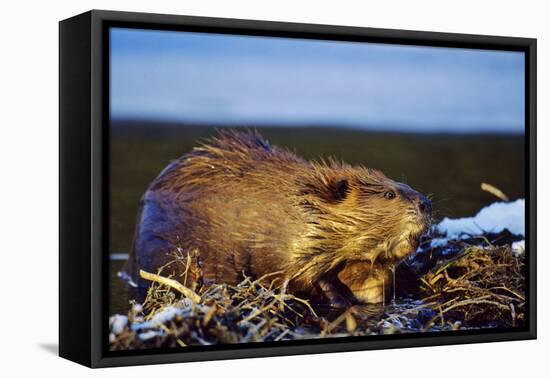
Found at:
<point>188,293</point>
<point>494,191</point>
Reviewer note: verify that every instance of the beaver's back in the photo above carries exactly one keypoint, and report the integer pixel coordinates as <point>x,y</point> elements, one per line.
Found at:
<point>235,201</point>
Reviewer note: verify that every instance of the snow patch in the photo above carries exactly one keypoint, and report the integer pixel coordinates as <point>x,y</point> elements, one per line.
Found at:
<point>149,335</point>
<point>136,308</point>
<point>126,278</point>
<point>518,247</point>
<point>117,323</point>
<point>159,318</point>
<point>438,242</point>
<point>494,218</point>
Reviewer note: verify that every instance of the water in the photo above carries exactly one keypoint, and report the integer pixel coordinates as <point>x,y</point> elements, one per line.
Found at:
<point>118,301</point>
<point>450,167</point>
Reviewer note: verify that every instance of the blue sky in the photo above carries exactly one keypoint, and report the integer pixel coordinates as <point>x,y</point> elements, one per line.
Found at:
<point>223,79</point>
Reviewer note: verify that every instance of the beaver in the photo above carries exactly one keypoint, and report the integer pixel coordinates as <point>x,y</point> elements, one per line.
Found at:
<point>325,228</point>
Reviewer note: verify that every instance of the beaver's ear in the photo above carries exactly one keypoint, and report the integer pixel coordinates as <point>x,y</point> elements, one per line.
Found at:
<point>327,189</point>
<point>341,190</point>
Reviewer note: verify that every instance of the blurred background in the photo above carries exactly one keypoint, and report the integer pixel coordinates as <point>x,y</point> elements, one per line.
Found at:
<point>442,120</point>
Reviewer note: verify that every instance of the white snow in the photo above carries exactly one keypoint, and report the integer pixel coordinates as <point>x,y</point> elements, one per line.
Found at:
<point>118,322</point>
<point>439,242</point>
<point>126,278</point>
<point>518,247</point>
<point>137,308</point>
<point>149,335</point>
<point>493,218</point>
<point>166,314</point>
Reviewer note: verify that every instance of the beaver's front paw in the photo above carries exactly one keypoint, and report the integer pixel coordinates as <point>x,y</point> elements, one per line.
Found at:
<point>337,294</point>
<point>341,302</point>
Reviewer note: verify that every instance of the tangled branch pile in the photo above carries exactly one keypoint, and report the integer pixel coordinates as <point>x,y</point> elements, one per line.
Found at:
<point>481,287</point>
<point>459,286</point>
<point>176,315</point>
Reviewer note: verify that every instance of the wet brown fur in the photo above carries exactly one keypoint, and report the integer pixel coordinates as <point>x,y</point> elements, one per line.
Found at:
<point>254,209</point>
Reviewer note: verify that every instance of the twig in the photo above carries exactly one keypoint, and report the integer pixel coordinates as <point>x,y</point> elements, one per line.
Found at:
<point>494,191</point>
<point>188,293</point>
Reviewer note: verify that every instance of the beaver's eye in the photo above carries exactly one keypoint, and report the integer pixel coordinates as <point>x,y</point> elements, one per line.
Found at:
<point>389,195</point>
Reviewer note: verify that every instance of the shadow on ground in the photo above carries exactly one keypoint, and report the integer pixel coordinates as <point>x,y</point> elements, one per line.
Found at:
<point>50,348</point>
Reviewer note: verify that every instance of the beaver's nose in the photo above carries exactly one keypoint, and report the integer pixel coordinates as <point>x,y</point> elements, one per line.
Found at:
<point>424,205</point>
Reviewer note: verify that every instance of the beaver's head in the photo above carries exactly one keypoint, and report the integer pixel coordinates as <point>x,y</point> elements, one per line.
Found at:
<point>365,215</point>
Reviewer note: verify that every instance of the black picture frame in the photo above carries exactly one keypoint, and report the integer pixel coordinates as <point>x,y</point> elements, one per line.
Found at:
<point>84,137</point>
